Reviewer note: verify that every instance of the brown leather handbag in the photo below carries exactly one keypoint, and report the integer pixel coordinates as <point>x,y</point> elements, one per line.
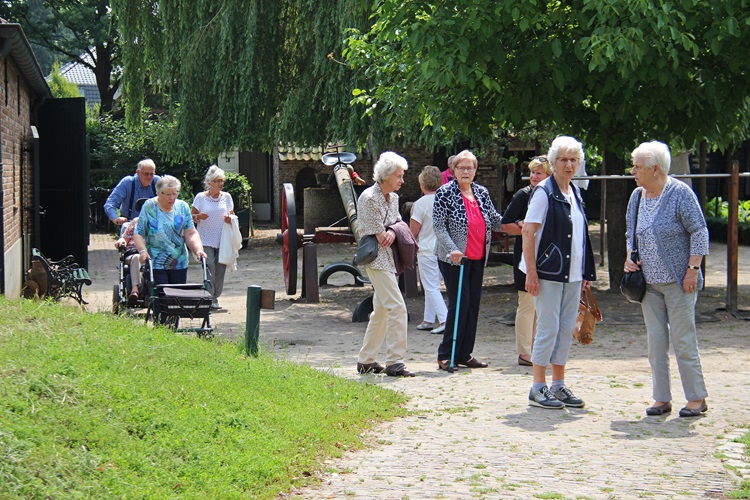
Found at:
<point>588,315</point>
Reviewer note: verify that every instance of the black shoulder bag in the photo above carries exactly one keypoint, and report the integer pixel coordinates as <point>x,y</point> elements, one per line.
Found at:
<point>633,284</point>
<point>367,247</point>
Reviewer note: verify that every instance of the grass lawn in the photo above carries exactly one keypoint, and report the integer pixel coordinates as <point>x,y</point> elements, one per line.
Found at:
<point>93,405</point>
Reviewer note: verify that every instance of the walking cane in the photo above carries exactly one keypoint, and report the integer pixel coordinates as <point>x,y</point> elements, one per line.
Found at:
<point>452,366</point>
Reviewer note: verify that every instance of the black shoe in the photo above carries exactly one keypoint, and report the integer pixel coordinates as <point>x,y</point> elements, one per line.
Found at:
<point>398,370</point>
<point>374,367</point>
<point>132,299</point>
<point>694,412</point>
<point>524,362</point>
<point>659,410</point>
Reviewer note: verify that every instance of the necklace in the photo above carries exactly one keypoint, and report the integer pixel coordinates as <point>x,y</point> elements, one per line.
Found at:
<point>215,200</point>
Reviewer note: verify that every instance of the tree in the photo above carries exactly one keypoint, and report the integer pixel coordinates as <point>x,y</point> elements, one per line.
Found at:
<point>72,29</point>
<point>239,74</point>
<point>59,86</point>
<point>610,73</point>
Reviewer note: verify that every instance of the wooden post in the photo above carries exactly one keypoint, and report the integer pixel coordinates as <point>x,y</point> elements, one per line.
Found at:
<point>733,237</point>
<point>257,299</point>
<point>310,290</point>
<point>252,322</point>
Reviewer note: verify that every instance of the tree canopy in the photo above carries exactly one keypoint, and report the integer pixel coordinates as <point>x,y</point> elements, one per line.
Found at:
<point>239,74</point>
<point>72,29</point>
<point>614,72</point>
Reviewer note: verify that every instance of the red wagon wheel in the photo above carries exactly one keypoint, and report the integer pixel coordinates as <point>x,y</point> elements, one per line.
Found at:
<point>289,239</point>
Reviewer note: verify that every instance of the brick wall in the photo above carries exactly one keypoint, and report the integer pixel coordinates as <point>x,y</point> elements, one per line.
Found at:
<point>15,120</point>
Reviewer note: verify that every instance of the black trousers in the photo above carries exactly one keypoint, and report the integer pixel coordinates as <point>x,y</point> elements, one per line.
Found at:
<point>471,294</point>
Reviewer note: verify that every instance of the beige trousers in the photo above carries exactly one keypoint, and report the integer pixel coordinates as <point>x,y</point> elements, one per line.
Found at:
<point>387,321</point>
<point>525,323</point>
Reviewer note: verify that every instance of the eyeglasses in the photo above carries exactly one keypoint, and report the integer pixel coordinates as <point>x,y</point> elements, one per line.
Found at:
<point>465,169</point>
<point>218,181</point>
<point>148,174</point>
<point>540,159</point>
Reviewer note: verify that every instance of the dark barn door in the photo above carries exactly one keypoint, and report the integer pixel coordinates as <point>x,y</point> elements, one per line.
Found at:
<point>63,180</point>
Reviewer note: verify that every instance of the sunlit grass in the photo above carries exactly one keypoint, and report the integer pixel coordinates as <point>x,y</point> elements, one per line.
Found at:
<point>98,406</point>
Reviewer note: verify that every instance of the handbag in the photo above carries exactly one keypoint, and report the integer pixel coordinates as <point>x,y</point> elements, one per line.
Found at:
<point>588,315</point>
<point>633,283</point>
<point>367,250</point>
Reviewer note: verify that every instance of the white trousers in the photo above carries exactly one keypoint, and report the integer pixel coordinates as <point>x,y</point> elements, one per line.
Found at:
<point>429,275</point>
<point>387,321</point>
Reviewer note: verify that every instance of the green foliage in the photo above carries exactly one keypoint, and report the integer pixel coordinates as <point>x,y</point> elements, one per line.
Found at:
<point>69,29</point>
<point>116,150</point>
<point>717,207</point>
<point>612,73</point>
<point>59,86</point>
<point>239,187</point>
<point>98,406</point>
<point>240,74</point>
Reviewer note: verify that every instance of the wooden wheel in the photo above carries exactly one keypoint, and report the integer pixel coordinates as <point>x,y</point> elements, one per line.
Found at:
<point>289,239</point>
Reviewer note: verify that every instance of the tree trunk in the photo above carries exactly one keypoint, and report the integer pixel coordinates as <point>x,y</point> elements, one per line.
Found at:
<point>617,202</point>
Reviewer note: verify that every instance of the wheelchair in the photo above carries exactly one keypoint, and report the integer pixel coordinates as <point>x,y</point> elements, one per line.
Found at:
<point>167,304</point>
<point>121,291</point>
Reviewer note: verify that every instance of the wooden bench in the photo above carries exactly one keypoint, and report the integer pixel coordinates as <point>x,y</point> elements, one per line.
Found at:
<point>65,278</point>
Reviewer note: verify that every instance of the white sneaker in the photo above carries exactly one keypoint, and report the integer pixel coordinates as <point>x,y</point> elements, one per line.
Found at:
<point>439,329</point>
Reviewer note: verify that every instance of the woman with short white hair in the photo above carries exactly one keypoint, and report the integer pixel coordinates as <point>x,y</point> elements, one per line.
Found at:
<point>559,264</point>
<point>164,229</point>
<point>212,209</point>
<point>377,210</point>
<point>672,238</point>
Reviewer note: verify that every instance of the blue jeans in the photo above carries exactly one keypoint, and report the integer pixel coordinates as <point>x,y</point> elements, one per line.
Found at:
<point>556,311</point>
<point>669,314</point>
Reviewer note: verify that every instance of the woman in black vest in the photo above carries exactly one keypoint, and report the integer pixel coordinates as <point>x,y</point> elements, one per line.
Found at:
<point>559,263</point>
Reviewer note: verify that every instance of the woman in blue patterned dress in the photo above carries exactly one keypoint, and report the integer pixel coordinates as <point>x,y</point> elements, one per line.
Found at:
<point>165,227</point>
<point>672,240</point>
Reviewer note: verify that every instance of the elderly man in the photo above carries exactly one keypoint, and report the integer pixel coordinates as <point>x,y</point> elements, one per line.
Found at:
<point>129,190</point>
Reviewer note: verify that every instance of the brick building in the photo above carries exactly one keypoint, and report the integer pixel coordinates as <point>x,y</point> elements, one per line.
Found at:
<point>22,90</point>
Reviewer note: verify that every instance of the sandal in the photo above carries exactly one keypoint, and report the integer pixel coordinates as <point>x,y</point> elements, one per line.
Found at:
<point>398,370</point>
<point>133,299</point>
<point>444,364</point>
<point>473,363</point>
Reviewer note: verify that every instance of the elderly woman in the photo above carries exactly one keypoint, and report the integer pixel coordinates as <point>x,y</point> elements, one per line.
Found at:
<point>164,228</point>
<point>463,218</point>
<point>377,209</point>
<point>421,227</point>
<point>211,211</point>
<point>559,265</point>
<point>512,223</point>
<point>672,239</point>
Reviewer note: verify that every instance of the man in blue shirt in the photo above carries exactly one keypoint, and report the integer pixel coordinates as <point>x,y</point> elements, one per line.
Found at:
<point>129,190</point>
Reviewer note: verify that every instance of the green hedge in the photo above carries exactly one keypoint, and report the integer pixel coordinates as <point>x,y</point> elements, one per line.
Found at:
<point>717,230</point>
